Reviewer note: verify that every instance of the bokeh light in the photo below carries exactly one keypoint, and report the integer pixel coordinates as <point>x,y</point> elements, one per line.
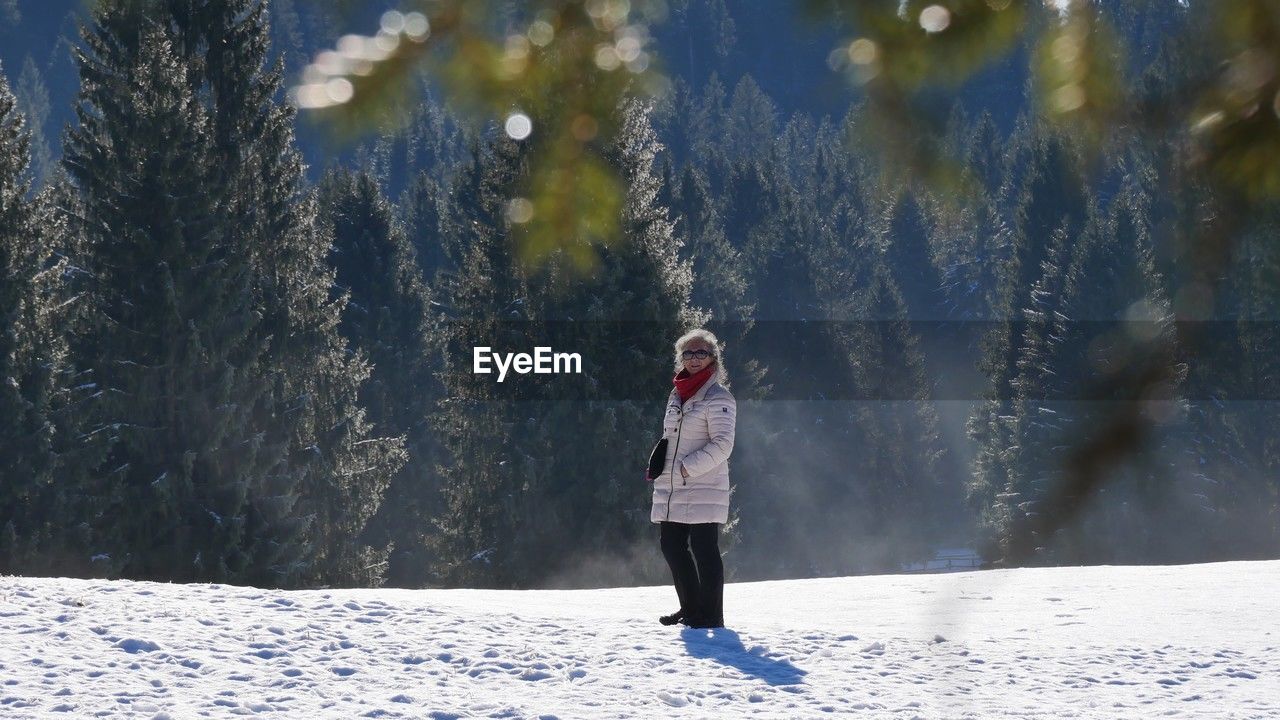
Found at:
<point>392,21</point>
<point>519,210</point>
<point>935,18</point>
<point>541,33</point>
<point>416,26</point>
<point>518,126</point>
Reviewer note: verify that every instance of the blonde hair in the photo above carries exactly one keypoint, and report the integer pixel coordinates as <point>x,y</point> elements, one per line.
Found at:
<point>717,349</point>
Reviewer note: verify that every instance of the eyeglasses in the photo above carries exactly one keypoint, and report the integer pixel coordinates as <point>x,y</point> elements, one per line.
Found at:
<point>700,354</point>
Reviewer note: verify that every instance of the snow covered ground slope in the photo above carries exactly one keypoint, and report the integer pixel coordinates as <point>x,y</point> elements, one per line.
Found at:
<point>1198,641</point>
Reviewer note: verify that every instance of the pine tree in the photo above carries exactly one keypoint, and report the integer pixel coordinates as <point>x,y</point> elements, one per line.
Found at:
<point>630,311</point>
<point>174,347</point>
<point>1031,466</point>
<point>1046,194</point>
<point>910,256</point>
<point>431,144</point>
<point>386,318</point>
<point>1233,455</point>
<point>482,488</point>
<point>673,118</point>
<point>1114,306</point>
<point>968,229</point>
<point>707,122</point>
<point>881,477</point>
<point>750,121</point>
<point>238,450</point>
<point>33,100</point>
<point>1099,300</point>
<point>346,469</point>
<point>721,284</point>
<point>42,491</point>
<point>424,207</point>
<point>901,458</point>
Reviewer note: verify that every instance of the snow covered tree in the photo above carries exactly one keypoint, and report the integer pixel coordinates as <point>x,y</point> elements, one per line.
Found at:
<point>749,122</point>
<point>1098,301</point>
<point>1232,454</point>
<point>239,450</point>
<point>1049,198</point>
<point>424,208</point>
<point>43,500</point>
<point>1031,466</point>
<point>175,347</point>
<point>1113,305</point>
<point>387,318</point>
<point>346,468</point>
<point>902,455</point>
<point>33,101</point>
<point>482,488</point>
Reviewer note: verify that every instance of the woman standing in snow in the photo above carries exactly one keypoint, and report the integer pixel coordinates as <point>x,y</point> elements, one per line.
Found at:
<point>691,496</point>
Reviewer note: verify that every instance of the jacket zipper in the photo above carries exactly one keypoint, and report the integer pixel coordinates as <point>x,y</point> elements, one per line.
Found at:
<point>674,453</point>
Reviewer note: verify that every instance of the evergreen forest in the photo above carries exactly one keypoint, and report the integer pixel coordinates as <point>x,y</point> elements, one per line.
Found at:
<point>232,353</point>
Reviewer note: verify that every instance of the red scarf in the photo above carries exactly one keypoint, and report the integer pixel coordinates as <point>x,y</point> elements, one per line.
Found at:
<point>687,384</point>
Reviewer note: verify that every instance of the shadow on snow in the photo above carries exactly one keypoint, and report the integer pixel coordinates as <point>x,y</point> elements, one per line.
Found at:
<point>725,647</point>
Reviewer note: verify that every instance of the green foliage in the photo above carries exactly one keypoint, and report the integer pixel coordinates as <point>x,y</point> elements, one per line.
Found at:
<point>342,466</point>
<point>566,71</point>
<point>1234,116</point>
<point>481,486</point>
<point>1078,65</point>
<point>918,43</point>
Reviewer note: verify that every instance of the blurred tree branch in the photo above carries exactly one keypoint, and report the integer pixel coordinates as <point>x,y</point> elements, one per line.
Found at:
<point>554,80</point>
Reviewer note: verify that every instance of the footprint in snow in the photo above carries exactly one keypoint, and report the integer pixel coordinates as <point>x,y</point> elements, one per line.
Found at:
<point>672,700</point>
<point>133,645</point>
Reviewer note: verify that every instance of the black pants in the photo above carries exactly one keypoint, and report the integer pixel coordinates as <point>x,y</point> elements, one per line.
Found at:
<point>698,575</point>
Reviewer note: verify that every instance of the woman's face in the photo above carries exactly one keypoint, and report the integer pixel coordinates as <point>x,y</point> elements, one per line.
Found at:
<point>695,364</point>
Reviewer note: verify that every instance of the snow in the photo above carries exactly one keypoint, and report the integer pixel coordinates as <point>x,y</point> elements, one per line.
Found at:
<point>1191,641</point>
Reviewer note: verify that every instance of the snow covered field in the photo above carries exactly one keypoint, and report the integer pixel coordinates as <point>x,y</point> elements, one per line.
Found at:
<point>1199,641</point>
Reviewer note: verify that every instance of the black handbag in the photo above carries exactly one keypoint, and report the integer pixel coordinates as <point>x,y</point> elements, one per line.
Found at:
<point>657,459</point>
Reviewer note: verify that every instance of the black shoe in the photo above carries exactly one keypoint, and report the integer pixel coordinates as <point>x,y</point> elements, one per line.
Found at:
<point>703,622</point>
<point>672,619</point>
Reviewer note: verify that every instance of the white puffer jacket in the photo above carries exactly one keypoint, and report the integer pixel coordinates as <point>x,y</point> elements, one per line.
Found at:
<point>700,437</point>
